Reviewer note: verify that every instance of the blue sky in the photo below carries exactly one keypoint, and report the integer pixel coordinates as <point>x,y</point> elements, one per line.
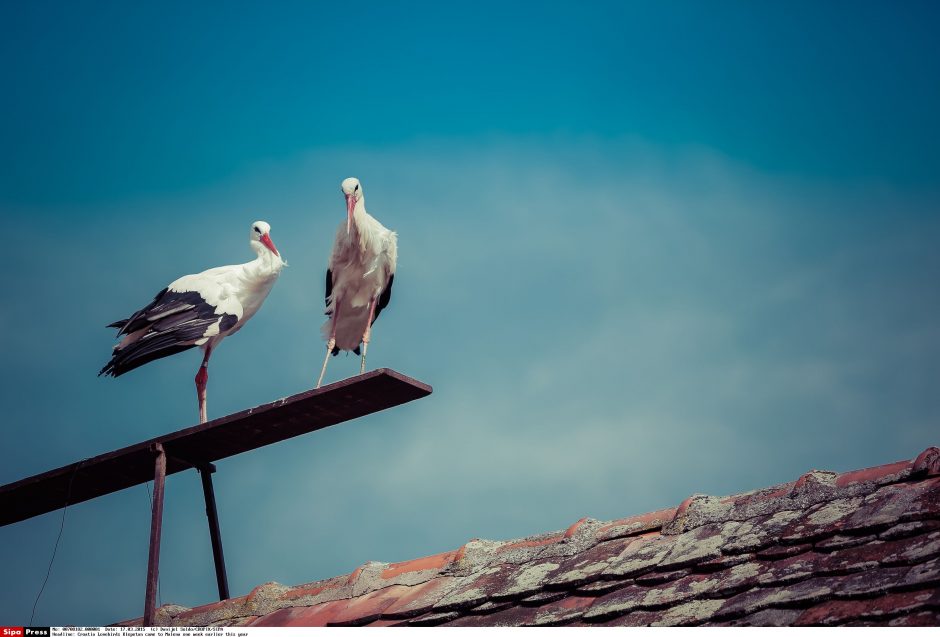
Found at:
<point>646,250</point>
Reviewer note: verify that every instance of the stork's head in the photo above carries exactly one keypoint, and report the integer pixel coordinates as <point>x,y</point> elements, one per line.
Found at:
<point>260,237</point>
<point>352,190</point>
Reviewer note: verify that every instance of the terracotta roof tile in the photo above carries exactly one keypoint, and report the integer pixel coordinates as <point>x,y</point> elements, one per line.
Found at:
<point>367,608</point>
<point>511,616</point>
<point>636,618</point>
<point>562,611</point>
<point>909,529</point>
<point>318,615</point>
<point>688,614</point>
<point>886,472</point>
<point>641,556</point>
<point>928,462</point>
<point>433,562</point>
<point>821,520</point>
<point>655,578</point>
<point>860,548</point>
<point>205,615</point>
<point>704,543</point>
<point>635,525</point>
<point>928,618</point>
<point>328,590</point>
<point>476,589</point>
<point>600,587</point>
<point>420,599</point>
<point>433,619</point>
<point>836,611</point>
<point>926,574</point>
<point>767,617</point>
<point>759,532</point>
<point>550,614</point>
<point>490,607</point>
<point>527,549</point>
<point>573,528</point>
<point>616,603</point>
<point>840,541</point>
<point>780,551</point>
<point>589,565</point>
<point>722,562</point>
<point>384,622</point>
<point>543,597</point>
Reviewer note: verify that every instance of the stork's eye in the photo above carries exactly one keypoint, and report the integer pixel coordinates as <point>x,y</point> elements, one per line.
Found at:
<point>357,187</point>
<point>256,230</point>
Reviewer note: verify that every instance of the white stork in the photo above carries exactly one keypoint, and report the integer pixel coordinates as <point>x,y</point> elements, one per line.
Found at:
<point>359,277</point>
<point>198,310</point>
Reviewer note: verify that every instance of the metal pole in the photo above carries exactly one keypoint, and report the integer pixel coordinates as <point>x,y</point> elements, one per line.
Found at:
<point>156,526</point>
<point>215,534</point>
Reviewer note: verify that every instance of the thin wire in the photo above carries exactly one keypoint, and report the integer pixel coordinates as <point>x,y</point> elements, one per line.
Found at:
<point>68,497</point>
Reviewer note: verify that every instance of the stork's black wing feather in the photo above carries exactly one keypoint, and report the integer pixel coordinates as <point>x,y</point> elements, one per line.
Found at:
<point>164,304</point>
<point>172,322</point>
<point>124,325</point>
<point>384,298</point>
<point>329,286</point>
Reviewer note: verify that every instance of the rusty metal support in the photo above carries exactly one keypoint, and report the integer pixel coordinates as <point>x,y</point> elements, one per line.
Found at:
<point>215,534</point>
<point>156,527</point>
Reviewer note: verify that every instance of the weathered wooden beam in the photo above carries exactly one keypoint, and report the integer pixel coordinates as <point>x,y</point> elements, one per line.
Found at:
<point>217,439</point>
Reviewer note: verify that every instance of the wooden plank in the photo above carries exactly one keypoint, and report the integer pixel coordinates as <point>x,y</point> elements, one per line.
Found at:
<point>217,439</point>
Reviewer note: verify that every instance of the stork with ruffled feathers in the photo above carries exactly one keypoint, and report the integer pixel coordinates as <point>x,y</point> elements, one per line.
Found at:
<point>198,310</point>
<point>358,279</point>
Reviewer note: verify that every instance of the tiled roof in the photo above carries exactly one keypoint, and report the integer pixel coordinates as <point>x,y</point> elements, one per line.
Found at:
<point>861,547</point>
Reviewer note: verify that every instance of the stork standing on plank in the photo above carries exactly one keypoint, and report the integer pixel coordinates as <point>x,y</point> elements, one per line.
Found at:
<point>359,278</point>
<point>198,310</point>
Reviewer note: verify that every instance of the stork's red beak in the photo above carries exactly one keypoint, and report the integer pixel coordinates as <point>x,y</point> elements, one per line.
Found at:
<point>350,207</point>
<point>266,240</point>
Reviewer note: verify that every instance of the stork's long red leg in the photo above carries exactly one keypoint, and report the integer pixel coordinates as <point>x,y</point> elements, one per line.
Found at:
<point>330,344</point>
<point>202,379</point>
<point>367,335</point>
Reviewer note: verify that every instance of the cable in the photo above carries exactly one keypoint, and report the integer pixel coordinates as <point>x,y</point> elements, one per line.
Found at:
<point>68,497</point>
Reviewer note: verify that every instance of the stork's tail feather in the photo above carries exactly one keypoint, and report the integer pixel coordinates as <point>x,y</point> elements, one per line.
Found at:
<point>142,352</point>
<point>119,324</point>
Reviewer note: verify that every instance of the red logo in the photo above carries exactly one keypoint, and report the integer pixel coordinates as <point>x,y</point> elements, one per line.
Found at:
<point>11,631</point>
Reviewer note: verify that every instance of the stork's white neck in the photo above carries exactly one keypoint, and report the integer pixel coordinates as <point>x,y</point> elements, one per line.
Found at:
<point>267,264</point>
<point>359,216</point>
<point>360,209</point>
